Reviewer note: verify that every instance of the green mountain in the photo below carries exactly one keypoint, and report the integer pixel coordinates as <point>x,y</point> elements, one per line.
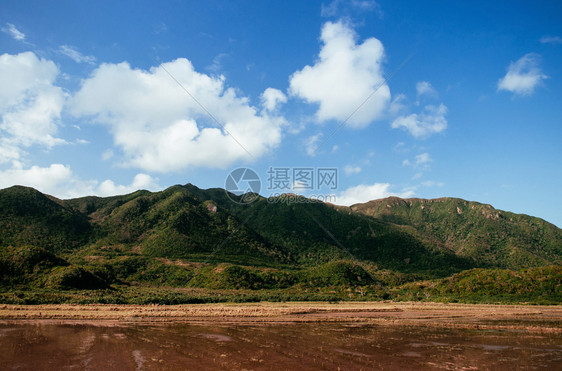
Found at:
<point>193,239</point>
<point>490,237</point>
<point>34,266</point>
<point>28,217</point>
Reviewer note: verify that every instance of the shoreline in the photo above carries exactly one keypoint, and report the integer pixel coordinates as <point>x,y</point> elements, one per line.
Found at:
<point>527,318</point>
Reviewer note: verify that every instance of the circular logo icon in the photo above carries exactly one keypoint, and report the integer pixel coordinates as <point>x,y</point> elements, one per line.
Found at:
<point>243,182</point>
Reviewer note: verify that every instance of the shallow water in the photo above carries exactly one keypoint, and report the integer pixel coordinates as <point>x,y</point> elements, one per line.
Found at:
<point>303,346</point>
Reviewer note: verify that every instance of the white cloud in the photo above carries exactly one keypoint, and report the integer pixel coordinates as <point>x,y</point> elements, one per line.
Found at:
<point>398,104</point>
<point>140,181</point>
<point>9,152</point>
<point>311,144</point>
<point>160,28</point>
<point>272,98</point>
<point>400,147</point>
<point>11,30</point>
<point>423,159</point>
<point>350,169</point>
<point>432,183</point>
<point>300,187</point>
<point>522,76</point>
<point>365,192</point>
<point>425,88</point>
<point>336,6</point>
<point>160,128</point>
<point>432,120</point>
<point>30,103</point>
<point>364,4</point>
<point>420,162</point>
<point>76,56</point>
<point>330,9</point>
<point>45,179</point>
<point>343,77</point>
<point>58,180</point>
<point>551,40</point>
<point>216,66</point>
<point>107,154</point>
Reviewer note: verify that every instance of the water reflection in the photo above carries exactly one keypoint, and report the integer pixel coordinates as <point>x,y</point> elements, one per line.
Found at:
<point>263,347</point>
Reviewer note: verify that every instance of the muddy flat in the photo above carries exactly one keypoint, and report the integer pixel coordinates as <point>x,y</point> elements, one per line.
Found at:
<point>284,336</point>
<point>529,318</point>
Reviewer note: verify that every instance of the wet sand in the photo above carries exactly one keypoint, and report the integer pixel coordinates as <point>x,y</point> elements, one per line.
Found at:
<point>281,336</point>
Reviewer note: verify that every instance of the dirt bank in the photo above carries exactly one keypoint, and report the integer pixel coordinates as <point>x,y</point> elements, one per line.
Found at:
<point>512,317</point>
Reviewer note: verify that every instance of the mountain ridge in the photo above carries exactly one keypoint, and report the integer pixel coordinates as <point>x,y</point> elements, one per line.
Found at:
<point>184,236</point>
<point>466,225</point>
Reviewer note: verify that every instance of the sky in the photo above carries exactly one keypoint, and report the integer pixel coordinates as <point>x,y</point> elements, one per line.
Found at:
<point>412,99</point>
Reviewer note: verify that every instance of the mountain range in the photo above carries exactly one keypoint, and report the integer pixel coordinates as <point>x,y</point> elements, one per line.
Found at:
<point>189,237</point>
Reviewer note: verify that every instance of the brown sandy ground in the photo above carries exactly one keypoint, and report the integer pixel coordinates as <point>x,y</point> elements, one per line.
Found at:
<point>544,319</point>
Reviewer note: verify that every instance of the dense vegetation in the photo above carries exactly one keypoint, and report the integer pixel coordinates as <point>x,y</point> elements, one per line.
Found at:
<point>491,237</point>
<point>186,245</point>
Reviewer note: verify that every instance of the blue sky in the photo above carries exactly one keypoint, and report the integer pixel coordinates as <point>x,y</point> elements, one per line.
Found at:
<point>415,99</point>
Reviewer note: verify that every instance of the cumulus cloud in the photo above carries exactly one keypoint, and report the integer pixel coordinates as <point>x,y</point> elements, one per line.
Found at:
<point>343,77</point>
<point>140,181</point>
<point>367,192</point>
<point>59,180</point>
<point>522,76</point>
<point>76,56</point>
<point>30,103</point>
<point>11,30</point>
<point>432,120</point>
<point>272,98</point>
<point>45,179</point>
<point>551,40</point>
<point>161,128</point>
